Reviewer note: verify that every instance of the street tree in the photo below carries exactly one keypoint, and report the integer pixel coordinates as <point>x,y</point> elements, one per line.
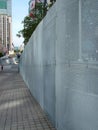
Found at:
<point>28,29</point>
<point>30,22</point>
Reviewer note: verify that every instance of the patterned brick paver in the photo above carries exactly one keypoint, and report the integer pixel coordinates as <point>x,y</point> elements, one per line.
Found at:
<point>18,109</point>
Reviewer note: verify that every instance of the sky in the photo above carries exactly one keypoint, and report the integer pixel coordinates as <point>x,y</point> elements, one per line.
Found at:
<point>19,11</point>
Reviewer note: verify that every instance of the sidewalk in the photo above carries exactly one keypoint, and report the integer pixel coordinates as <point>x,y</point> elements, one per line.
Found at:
<point>18,109</point>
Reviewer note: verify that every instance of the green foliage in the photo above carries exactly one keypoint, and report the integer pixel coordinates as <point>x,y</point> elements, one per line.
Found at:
<point>30,24</point>
<point>29,27</point>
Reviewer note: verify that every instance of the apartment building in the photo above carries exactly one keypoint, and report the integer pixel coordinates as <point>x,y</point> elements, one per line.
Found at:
<point>5,25</point>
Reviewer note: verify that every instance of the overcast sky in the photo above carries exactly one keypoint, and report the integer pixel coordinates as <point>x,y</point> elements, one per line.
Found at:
<point>19,11</point>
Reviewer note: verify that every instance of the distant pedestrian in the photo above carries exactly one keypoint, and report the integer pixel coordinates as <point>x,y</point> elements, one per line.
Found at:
<point>2,67</point>
<point>18,57</point>
<point>1,64</point>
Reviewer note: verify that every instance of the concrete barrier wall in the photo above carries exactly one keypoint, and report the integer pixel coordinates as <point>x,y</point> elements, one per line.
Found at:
<point>38,63</point>
<point>60,64</point>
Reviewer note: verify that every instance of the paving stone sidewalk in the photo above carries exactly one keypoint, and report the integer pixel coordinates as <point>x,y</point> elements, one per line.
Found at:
<point>18,109</point>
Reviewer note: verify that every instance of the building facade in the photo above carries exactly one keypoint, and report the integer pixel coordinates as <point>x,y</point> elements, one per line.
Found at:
<point>5,25</point>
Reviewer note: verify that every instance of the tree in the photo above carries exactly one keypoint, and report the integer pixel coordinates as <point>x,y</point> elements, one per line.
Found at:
<point>30,22</point>
<point>29,27</point>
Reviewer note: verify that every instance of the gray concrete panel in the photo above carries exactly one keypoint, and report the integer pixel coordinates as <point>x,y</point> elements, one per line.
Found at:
<point>67,26</point>
<point>89,30</point>
<point>60,65</point>
<point>78,110</point>
<point>49,91</point>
